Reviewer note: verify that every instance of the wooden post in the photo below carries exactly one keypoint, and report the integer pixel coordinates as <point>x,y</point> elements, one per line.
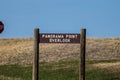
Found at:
<point>82,54</point>
<point>36,55</point>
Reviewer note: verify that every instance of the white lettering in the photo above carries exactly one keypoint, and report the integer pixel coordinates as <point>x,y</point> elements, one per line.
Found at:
<point>59,40</point>
<point>52,36</point>
<point>43,36</point>
<point>71,36</point>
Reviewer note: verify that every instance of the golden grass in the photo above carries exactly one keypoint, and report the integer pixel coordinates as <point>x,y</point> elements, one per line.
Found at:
<point>111,67</point>
<point>107,65</point>
<point>20,51</point>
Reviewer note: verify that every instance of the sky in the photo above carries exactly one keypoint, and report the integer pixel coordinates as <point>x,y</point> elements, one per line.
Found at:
<point>101,18</point>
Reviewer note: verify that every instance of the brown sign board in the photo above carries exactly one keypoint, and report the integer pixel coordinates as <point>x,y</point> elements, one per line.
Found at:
<point>59,38</point>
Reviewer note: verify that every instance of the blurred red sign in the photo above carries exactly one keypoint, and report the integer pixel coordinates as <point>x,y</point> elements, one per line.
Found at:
<point>59,38</point>
<point>1,27</point>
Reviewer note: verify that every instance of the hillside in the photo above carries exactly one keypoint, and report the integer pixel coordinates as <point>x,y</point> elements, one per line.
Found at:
<point>20,51</point>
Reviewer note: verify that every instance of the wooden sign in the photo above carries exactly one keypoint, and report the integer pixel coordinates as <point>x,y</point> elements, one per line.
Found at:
<point>59,38</point>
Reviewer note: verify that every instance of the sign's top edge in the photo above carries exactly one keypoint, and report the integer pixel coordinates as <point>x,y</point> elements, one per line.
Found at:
<point>59,33</point>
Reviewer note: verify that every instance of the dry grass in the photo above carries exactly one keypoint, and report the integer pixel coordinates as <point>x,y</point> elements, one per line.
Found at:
<point>20,51</point>
<point>15,51</point>
<point>103,49</point>
<point>112,67</point>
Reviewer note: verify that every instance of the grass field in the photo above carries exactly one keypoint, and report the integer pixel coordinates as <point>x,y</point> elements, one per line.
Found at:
<point>60,61</point>
<point>95,70</point>
<point>20,51</point>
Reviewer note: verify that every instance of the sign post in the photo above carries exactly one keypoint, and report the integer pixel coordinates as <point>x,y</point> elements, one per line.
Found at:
<point>82,54</point>
<point>36,55</point>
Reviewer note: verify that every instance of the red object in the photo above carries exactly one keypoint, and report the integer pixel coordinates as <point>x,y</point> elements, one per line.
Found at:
<point>1,27</point>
